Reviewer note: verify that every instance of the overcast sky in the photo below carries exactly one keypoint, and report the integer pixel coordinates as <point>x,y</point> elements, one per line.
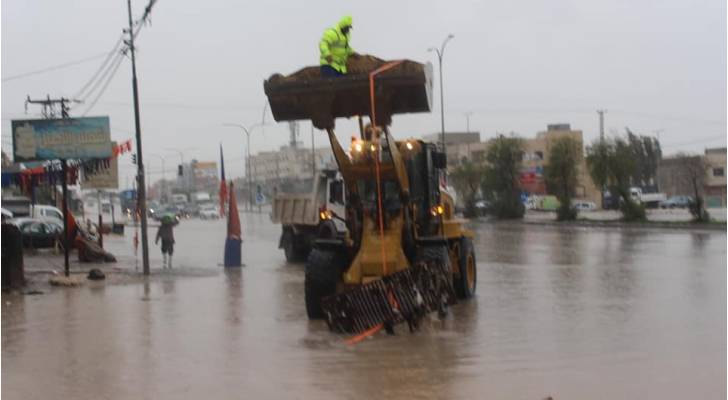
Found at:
<point>655,66</point>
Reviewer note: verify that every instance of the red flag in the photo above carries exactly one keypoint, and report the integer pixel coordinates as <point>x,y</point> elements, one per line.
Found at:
<point>233,222</point>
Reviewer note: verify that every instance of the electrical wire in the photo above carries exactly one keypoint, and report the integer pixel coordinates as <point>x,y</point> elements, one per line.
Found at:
<point>98,71</point>
<point>103,77</point>
<point>54,67</point>
<point>120,58</point>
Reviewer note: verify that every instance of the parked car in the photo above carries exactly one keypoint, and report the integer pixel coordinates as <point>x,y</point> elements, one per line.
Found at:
<point>38,233</point>
<point>482,206</point>
<point>191,210</point>
<point>677,202</point>
<point>209,211</point>
<point>582,205</point>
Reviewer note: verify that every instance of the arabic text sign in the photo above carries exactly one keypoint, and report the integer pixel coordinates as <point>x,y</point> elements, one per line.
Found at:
<point>70,138</point>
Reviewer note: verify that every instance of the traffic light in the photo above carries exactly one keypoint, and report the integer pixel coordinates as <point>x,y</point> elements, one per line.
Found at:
<point>180,170</point>
<point>133,159</point>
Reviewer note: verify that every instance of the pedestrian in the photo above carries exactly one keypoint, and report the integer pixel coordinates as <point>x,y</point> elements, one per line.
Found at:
<point>335,49</point>
<point>166,233</point>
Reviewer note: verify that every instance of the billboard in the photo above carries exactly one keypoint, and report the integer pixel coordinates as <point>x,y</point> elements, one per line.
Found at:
<point>68,138</point>
<point>102,178</point>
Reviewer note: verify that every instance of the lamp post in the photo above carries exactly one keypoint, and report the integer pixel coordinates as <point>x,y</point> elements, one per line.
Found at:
<point>247,132</point>
<point>440,54</point>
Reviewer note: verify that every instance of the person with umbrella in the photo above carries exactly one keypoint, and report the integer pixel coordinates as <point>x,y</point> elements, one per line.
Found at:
<point>166,233</point>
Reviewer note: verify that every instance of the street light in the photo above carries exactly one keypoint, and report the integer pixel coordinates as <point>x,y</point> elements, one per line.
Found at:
<point>441,53</point>
<point>248,131</point>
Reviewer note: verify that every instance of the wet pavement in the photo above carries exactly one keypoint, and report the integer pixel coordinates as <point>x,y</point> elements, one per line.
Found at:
<point>570,312</point>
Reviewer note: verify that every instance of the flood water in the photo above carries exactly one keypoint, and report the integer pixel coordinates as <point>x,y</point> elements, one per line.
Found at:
<point>568,312</point>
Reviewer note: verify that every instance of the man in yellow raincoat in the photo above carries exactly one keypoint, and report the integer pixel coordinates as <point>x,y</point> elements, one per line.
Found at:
<point>335,49</point>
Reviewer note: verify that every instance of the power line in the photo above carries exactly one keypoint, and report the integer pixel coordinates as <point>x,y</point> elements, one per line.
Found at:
<point>101,68</point>
<point>120,58</point>
<point>104,76</point>
<point>55,67</point>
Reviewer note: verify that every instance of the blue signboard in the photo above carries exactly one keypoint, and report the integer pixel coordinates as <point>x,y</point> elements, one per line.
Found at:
<point>68,138</point>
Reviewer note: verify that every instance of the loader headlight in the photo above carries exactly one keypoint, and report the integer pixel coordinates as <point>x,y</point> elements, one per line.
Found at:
<point>325,215</point>
<point>437,210</point>
<point>409,146</point>
<point>357,147</point>
<point>373,148</point>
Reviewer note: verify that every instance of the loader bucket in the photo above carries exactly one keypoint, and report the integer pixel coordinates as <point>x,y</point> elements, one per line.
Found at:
<point>305,95</point>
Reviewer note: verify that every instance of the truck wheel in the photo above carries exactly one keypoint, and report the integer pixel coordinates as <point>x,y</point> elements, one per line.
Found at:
<point>466,282</point>
<point>323,271</point>
<point>288,242</point>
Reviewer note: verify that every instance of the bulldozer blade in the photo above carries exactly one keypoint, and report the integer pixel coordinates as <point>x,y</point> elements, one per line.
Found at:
<point>407,295</point>
<point>305,95</point>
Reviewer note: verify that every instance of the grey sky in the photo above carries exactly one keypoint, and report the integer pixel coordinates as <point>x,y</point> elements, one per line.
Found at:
<point>517,65</point>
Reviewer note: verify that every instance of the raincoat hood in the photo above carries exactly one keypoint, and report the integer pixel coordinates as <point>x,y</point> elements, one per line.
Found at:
<point>346,21</point>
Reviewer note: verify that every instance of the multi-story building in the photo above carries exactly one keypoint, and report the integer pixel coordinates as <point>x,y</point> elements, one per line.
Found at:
<point>715,180</point>
<point>536,154</point>
<point>673,176</point>
<point>277,170</point>
<point>675,180</point>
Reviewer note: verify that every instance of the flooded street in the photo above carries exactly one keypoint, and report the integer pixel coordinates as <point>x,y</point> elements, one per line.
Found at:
<point>569,312</point>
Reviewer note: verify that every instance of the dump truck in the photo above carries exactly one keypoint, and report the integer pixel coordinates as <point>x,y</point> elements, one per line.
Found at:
<point>404,253</point>
<point>300,215</point>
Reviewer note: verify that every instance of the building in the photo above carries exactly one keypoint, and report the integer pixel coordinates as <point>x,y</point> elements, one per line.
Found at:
<point>277,170</point>
<point>674,173</point>
<point>457,144</point>
<point>535,157</point>
<point>715,180</point>
<point>197,176</point>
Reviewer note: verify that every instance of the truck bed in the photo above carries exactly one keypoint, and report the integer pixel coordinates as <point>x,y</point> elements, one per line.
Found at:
<point>295,209</point>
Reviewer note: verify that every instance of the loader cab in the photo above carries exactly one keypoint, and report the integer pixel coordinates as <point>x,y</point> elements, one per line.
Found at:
<point>425,166</point>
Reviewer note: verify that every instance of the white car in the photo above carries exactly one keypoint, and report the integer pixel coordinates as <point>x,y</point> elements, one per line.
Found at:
<point>209,212</point>
<point>582,205</point>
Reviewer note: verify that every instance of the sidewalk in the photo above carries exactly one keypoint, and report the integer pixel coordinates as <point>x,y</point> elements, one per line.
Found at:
<point>675,218</point>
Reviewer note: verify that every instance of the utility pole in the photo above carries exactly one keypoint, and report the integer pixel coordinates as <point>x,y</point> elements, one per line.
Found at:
<point>50,113</point>
<point>441,53</point>
<point>601,124</point>
<point>467,120</point>
<point>49,104</point>
<point>141,194</point>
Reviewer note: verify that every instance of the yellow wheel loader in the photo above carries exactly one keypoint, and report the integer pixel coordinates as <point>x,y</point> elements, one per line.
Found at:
<point>404,253</point>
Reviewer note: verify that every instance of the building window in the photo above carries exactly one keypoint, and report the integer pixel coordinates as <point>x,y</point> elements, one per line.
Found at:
<point>539,155</point>
<point>718,172</point>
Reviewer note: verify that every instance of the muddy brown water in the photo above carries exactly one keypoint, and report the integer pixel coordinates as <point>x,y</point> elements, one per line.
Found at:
<point>572,313</point>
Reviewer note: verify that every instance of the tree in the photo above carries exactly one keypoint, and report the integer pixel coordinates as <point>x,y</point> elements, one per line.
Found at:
<point>467,178</point>
<point>691,171</point>
<point>647,153</point>
<point>612,164</point>
<point>500,184</point>
<point>561,175</point>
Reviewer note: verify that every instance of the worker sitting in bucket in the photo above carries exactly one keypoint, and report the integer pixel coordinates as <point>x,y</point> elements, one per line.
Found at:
<point>335,49</point>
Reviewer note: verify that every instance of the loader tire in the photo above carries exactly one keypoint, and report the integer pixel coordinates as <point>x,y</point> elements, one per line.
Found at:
<point>323,271</point>
<point>466,281</point>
